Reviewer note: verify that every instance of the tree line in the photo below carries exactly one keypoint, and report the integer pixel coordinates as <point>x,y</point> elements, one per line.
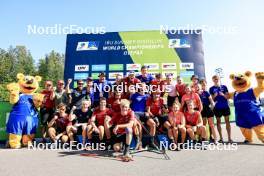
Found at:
<point>19,60</point>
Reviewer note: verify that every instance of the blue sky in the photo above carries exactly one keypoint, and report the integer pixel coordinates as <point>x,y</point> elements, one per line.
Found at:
<point>234,52</point>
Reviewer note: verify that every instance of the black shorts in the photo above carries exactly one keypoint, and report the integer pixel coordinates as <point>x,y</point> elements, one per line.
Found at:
<point>59,130</point>
<point>46,115</point>
<point>120,138</point>
<point>141,116</point>
<point>162,119</point>
<point>170,101</point>
<point>180,98</point>
<point>207,112</point>
<point>79,130</point>
<point>221,112</point>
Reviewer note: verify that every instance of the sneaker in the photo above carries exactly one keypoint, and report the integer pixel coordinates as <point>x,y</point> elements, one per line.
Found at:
<point>126,151</point>
<point>213,141</point>
<point>221,141</point>
<point>152,145</point>
<point>246,142</point>
<point>181,146</point>
<point>178,147</point>
<point>230,141</point>
<point>138,146</point>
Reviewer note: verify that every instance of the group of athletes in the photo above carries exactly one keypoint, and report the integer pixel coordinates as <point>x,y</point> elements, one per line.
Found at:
<point>98,109</point>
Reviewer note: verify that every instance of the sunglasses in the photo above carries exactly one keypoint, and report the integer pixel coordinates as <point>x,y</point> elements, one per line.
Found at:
<point>80,83</point>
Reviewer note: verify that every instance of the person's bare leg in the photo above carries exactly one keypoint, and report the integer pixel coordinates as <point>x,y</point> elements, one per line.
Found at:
<point>183,134</point>
<point>175,134</point>
<point>136,129</point>
<point>84,134</point>
<point>228,128</point>
<point>52,134</point>
<point>43,131</point>
<point>202,131</point>
<point>219,128</point>
<point>191,133</point>
<point>129,135</point>
<point>212,127</point>
<point>64,138</point>
<point>89,132</point>
<point>70,132</point>
<point>107,128</point>
<point>139,130</point>
<point>170,131</point>
<point>204,121</point>
<point>152,126</point>
<point>101,133</point>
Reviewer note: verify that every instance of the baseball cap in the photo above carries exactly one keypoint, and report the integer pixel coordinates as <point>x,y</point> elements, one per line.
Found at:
<point>194,77</point>
<point>89,79</point>
<point>131,72</point>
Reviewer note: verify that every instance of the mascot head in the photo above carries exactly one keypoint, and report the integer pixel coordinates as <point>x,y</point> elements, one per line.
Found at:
<point>28,84</point>
<point>241,82</point>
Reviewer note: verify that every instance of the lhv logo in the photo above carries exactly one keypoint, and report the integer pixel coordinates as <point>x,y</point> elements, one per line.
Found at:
<point>79,68</point>
<point>187,65</point>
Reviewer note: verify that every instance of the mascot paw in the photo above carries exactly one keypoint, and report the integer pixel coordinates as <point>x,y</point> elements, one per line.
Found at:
<point>38,99</point>
<point>260,75</point>
<point>13,88</point>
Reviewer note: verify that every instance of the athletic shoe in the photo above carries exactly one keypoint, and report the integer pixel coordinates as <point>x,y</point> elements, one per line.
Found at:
<point>221,141</point>
<point>152,145</point>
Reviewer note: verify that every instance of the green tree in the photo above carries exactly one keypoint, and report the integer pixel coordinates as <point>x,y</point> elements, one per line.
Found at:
<point>51,67</point>
<point>5,66</point>
<point>13,61</point>
<point>19,60</point>
<point>24,61</point>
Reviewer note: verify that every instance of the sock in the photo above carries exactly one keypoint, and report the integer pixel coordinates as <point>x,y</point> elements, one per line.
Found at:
<point>172,140</point>
<point>137,139</point>
<point>84,140</point>
<point>152,139</point>
<point>127,147</point>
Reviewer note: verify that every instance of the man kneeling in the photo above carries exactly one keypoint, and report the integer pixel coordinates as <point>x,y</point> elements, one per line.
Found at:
<point>123,122</point>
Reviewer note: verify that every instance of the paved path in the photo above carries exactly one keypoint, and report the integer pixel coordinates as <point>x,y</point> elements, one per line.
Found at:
<point>246,160</point>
